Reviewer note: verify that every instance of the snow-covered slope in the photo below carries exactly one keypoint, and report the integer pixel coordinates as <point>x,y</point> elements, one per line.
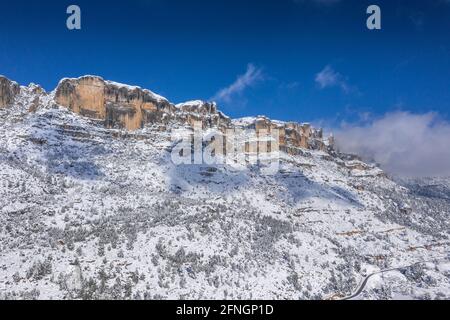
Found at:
<point>94,213</point>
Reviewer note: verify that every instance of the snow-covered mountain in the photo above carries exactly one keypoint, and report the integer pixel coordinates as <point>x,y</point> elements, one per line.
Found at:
<point>92,207</point>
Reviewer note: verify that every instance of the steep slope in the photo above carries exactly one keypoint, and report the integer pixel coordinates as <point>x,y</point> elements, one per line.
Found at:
<point>92,212</point>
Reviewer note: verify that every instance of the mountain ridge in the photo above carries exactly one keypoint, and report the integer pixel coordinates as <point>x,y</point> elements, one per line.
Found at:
<point>131,108</point>
<point>91,212</point>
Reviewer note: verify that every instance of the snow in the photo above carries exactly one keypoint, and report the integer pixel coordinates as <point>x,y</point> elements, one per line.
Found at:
<point>246,121</point>
<point>119,85</point>
<point>81,204</point>
<point>193,103</point>
<point>13,82</point>
<point>158,97</point>
<point>79,78</point>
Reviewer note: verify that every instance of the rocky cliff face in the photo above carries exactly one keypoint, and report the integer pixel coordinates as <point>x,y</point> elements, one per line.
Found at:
<point>8,90</point>
<point>131,108</point>
<point>120,106</point>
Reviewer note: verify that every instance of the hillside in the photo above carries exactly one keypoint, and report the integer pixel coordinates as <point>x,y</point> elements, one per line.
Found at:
<point>92,207</point>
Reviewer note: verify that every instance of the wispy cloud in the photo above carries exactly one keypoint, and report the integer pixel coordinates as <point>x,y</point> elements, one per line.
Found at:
<point>329,78</point>
<point>403,143</point>
<point>252,76</point>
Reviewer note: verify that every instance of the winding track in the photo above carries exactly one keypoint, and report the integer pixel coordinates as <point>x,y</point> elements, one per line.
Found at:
<point>363,284</point>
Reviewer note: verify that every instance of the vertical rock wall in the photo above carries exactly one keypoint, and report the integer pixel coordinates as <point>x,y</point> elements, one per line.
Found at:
<point>8,91</point>
<point>118,105</point>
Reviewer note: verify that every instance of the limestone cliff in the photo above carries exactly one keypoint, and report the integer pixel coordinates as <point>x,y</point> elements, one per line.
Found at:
<point>120,106</point>
<point>205,112</point>
<point>8,90</point>
<point>131,108</point>
<point>292,136</point>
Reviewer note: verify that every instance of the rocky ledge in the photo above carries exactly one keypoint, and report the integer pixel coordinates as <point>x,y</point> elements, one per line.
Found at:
<point>132,108</point>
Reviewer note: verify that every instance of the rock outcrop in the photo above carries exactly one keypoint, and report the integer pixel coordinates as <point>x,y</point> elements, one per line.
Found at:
<point>201,111</point>
<point>120,106</point>
<point>292,136</point>
<point>130,107</point>
<point>8,91</point>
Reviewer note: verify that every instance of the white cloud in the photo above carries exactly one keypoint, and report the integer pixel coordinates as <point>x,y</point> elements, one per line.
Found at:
<point>252,76</point>
<point>329,78</point>
<point>403,143</point>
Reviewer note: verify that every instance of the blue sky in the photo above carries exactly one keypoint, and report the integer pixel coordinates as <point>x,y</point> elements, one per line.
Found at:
<point>302,60</point>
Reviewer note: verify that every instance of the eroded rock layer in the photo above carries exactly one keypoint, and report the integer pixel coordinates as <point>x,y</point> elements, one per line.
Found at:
<point>118,105</point>
<point>8,90</point>
<point>131,108</point>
